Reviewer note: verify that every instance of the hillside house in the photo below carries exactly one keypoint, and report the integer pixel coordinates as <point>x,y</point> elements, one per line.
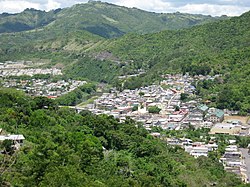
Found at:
<point>214,115</point>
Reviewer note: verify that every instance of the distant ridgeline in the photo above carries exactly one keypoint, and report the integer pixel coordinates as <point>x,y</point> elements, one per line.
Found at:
<point>63,148</point>
<point>104,19</point>
<point>77,38</point>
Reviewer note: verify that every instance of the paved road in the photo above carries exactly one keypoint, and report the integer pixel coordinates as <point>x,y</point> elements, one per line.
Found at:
<point>246,160</point>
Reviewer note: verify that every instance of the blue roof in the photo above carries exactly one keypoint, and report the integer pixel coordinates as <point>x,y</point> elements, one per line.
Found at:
<point>203,107</point>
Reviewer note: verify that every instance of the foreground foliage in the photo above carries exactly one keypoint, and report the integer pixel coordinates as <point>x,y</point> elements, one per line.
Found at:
<point>63,148</point>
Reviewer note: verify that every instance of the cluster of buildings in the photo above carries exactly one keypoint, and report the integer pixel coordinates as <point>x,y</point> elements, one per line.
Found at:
<point>44,87</point>
<point>233,161</point>
<point>184,82</point>
<point>29,72</point>
<point>232,158</point>
<point>231,127</point>
<point>20,68</point>
<point>175,113</point>
<point>195,149</point>
<point>35,86</point>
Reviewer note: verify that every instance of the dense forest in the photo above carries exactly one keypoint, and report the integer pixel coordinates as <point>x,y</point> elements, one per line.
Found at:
<point>64,148</point>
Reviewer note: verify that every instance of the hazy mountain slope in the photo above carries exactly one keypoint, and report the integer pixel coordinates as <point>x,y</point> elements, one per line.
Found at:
<point>104,19</point>
<point>208,41</point>
<point>27,20</point>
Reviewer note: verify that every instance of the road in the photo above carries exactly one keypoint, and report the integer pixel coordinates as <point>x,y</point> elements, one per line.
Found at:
<point>246,157</point>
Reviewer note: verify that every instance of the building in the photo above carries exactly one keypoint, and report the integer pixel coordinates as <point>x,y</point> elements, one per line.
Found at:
<point>214,115</point>
<point>195,117</point>
<point>203,108</point>
<point>226,128</point>
<point>15,138</point>
<point>197,151</point>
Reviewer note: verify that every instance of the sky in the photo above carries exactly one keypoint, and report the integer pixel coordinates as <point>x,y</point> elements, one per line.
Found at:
<point>206,7</point>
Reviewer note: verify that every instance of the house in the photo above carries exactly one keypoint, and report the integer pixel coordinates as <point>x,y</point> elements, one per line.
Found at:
<point>195,117</point>
<point>173,141</point>
<point>17,140</point>
<point>155,134</point>
<point>199,151</point>
<point>212,146</point>
<point>206,124</point>
<point>215,115</point>
<point>232,161</point>
<point>203,108</point>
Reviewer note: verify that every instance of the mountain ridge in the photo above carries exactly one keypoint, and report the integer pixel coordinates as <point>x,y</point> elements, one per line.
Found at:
<point>220,47</point>
<point>104,19</point>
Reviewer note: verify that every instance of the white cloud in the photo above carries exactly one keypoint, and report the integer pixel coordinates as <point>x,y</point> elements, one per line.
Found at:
<point>194,8</point>
<point>52,5</point>
<point>13,6</point>
<point>150,5</point>
<point>211,7</point>
<point>215,10</point>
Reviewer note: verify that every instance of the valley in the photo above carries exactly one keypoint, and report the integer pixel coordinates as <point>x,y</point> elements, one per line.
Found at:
<point>103,95</point>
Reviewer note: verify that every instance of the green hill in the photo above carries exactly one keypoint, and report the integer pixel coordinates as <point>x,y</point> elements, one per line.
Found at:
<point>27,20</point>
<point>103,19</point>
<point>215,48</point>
<point>221,47</point>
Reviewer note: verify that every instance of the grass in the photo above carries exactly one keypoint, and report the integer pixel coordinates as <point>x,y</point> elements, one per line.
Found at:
<point>89,101</point>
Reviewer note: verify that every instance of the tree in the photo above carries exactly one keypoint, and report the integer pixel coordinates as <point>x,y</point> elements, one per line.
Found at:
<point>154,110</point>
<point>7,146</point>
<point>177,108</point>
<point>184,96</point>
<point>135,108</point>
<point>141,93</point>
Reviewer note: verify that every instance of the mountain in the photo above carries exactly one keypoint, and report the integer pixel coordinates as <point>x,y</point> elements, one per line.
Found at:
<point>221,47</point>
<point>27,20</point>
<point>214,48</point>
<point>103,19</point>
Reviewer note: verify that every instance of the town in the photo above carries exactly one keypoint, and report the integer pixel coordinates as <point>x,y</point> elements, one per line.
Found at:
<point>20,68</point>
<point>171,105</point>
<point>11,76</point>
<point>169,109</point>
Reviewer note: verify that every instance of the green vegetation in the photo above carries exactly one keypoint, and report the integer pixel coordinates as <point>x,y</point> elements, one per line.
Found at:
<point>184,96</point>
<point>103,19</point>
<point>77,96</point>
<point>92,69</point>
<point>27,20</point>
<point>220,47</point>
<point>154,110</point>
<point>63,148</point>
<point>214,48</point>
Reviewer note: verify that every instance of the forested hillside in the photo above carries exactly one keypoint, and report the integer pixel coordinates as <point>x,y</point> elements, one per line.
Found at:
<point>63,148</point>
<point>27,20</point>
<point>103,19</point>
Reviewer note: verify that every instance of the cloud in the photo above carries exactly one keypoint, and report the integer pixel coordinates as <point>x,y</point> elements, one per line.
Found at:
<point>211,7</point>
<point>208,7</point>
<point>13,6</point>
<point>52,5</point>
<point>150,5</point>
<point>215,10</point>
